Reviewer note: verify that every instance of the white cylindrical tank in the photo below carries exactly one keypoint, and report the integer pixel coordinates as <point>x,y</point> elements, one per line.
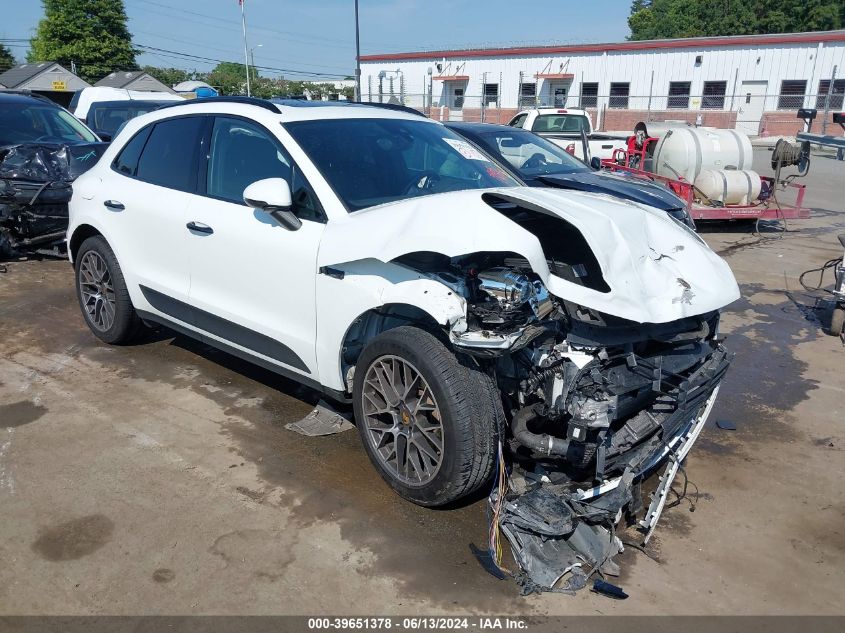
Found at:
<point>728,186</point>
<point>686,151</point>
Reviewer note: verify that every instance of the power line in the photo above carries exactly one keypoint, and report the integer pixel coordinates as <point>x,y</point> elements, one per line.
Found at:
<point>231,52</point>
<point>182,55</point>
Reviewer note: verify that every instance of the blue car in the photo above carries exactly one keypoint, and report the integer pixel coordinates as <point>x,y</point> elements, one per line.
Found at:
<point>540,163</point>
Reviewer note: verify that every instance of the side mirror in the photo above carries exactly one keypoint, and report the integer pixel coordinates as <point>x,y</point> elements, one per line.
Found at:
<point>104,136</point>
<point>273,196</point>
<point>595,163</point>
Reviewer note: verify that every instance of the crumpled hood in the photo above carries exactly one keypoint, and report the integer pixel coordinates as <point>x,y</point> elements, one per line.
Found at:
<point>636,189</point>
<point>657,271</point>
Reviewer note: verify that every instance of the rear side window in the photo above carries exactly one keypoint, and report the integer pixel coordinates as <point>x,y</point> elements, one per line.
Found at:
<point>126,162</point>
<point>169,156</point>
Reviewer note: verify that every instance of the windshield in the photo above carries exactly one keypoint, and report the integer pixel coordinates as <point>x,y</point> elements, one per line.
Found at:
<point>374,161</point>
<point>25,123</point>
<point>530,155</point>
<point>561,123</point>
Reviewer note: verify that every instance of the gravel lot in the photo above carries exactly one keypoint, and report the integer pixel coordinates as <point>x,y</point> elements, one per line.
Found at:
<point>158,478</point>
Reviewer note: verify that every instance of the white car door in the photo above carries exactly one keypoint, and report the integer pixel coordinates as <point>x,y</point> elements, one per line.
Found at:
<point>147,193</point>
<point>252,280</point>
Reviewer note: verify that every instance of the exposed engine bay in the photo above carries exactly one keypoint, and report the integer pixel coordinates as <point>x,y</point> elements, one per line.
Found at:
<point>592,403</point>
<point>35,188</point>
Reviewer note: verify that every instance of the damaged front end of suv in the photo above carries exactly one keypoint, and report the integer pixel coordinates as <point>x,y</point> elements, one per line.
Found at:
<point>596,324</point>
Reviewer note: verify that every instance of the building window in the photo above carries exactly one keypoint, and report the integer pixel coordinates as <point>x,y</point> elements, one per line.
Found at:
<point>528,94</point>
<point>714,95</point>
<point>491,95</point>
<point>589,95</point>
<point>836,95</point>
<point>619,94</point>
<point>679,94</point>
<point>792,94</point>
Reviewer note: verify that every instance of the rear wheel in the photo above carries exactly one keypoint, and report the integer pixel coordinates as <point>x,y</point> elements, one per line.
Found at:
<point>102,293</point>
<point>427,422</point>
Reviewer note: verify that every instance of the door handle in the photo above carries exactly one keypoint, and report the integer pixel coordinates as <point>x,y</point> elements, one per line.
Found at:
<point>114,205</point>
<point>199,227</point>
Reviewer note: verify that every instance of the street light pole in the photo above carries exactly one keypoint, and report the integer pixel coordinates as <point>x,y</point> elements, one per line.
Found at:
<point>252,55</point>
<point>357,56</point>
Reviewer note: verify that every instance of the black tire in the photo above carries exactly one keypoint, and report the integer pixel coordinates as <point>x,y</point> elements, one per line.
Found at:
<point>469,415</point>
<point>837,321</point>
<point>125,324</point>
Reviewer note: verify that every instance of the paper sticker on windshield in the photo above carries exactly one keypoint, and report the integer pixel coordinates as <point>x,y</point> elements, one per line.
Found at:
<point>466,150</point>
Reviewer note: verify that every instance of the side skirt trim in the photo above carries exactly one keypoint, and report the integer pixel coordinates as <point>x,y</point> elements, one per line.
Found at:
<point>225,329</point>
<point>337,396</point>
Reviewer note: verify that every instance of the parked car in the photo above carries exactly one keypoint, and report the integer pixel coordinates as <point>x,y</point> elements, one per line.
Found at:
<point>567,127</point>
<point>382,259</point>
<point>540,163</point>
<point>42,149</point>
<point>83,99</point>
<point>106,117</point>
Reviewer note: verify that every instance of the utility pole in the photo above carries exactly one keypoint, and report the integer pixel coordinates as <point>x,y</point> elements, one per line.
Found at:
<point>252,55</point>
<point>246,48</point>
<point>357,56</point>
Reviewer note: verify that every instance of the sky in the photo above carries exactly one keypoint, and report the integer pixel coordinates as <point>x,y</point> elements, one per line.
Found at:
<point>316,39</point>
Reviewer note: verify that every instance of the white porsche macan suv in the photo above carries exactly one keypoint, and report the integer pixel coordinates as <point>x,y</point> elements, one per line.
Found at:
<point>378,257</point>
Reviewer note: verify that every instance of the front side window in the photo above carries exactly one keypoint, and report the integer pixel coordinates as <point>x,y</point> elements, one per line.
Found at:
<point>169,155</point>
<point>375,161</point>
<point>518,120</point>
<point>243,153</point>
<point>36,122</point>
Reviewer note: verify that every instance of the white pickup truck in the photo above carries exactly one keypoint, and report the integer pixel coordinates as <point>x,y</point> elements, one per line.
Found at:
<point>564,127</point>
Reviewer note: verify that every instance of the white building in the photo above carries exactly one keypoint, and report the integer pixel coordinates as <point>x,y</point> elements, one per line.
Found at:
<point>754,83</point>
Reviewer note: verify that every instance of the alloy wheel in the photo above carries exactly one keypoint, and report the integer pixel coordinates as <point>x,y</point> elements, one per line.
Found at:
<point>403,421</point>
<point>95,285</point>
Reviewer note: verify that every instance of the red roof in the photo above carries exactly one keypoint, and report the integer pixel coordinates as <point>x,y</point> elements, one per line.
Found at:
<point>693,42</point>
<point>554,76</point>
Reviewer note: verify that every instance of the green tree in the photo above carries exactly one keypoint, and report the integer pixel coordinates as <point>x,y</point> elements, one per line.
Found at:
<point>7,60</point>
<point>91,33</point>
<point>662,19</point>
<point>170,76</point>
<point>230,78</point>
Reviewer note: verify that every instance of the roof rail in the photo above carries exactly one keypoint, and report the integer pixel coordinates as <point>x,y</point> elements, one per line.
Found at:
<point>390,106</point>
<point>26,93</point>
<point>261,103</point>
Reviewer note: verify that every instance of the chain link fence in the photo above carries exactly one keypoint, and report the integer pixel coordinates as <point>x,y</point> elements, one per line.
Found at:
<point>751,112</point>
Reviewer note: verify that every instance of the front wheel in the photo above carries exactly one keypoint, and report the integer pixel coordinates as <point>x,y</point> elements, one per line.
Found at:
<point>102,293</point>
<point>427,422</point>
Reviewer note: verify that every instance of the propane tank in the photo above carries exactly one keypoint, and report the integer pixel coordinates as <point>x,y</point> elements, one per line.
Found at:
<point>684,152</point>
<point>729,186</point>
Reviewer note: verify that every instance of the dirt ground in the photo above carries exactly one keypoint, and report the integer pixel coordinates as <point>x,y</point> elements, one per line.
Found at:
<point>158,478</point>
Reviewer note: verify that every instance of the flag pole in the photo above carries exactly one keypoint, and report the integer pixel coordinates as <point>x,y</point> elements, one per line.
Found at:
<point>246,50</point>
